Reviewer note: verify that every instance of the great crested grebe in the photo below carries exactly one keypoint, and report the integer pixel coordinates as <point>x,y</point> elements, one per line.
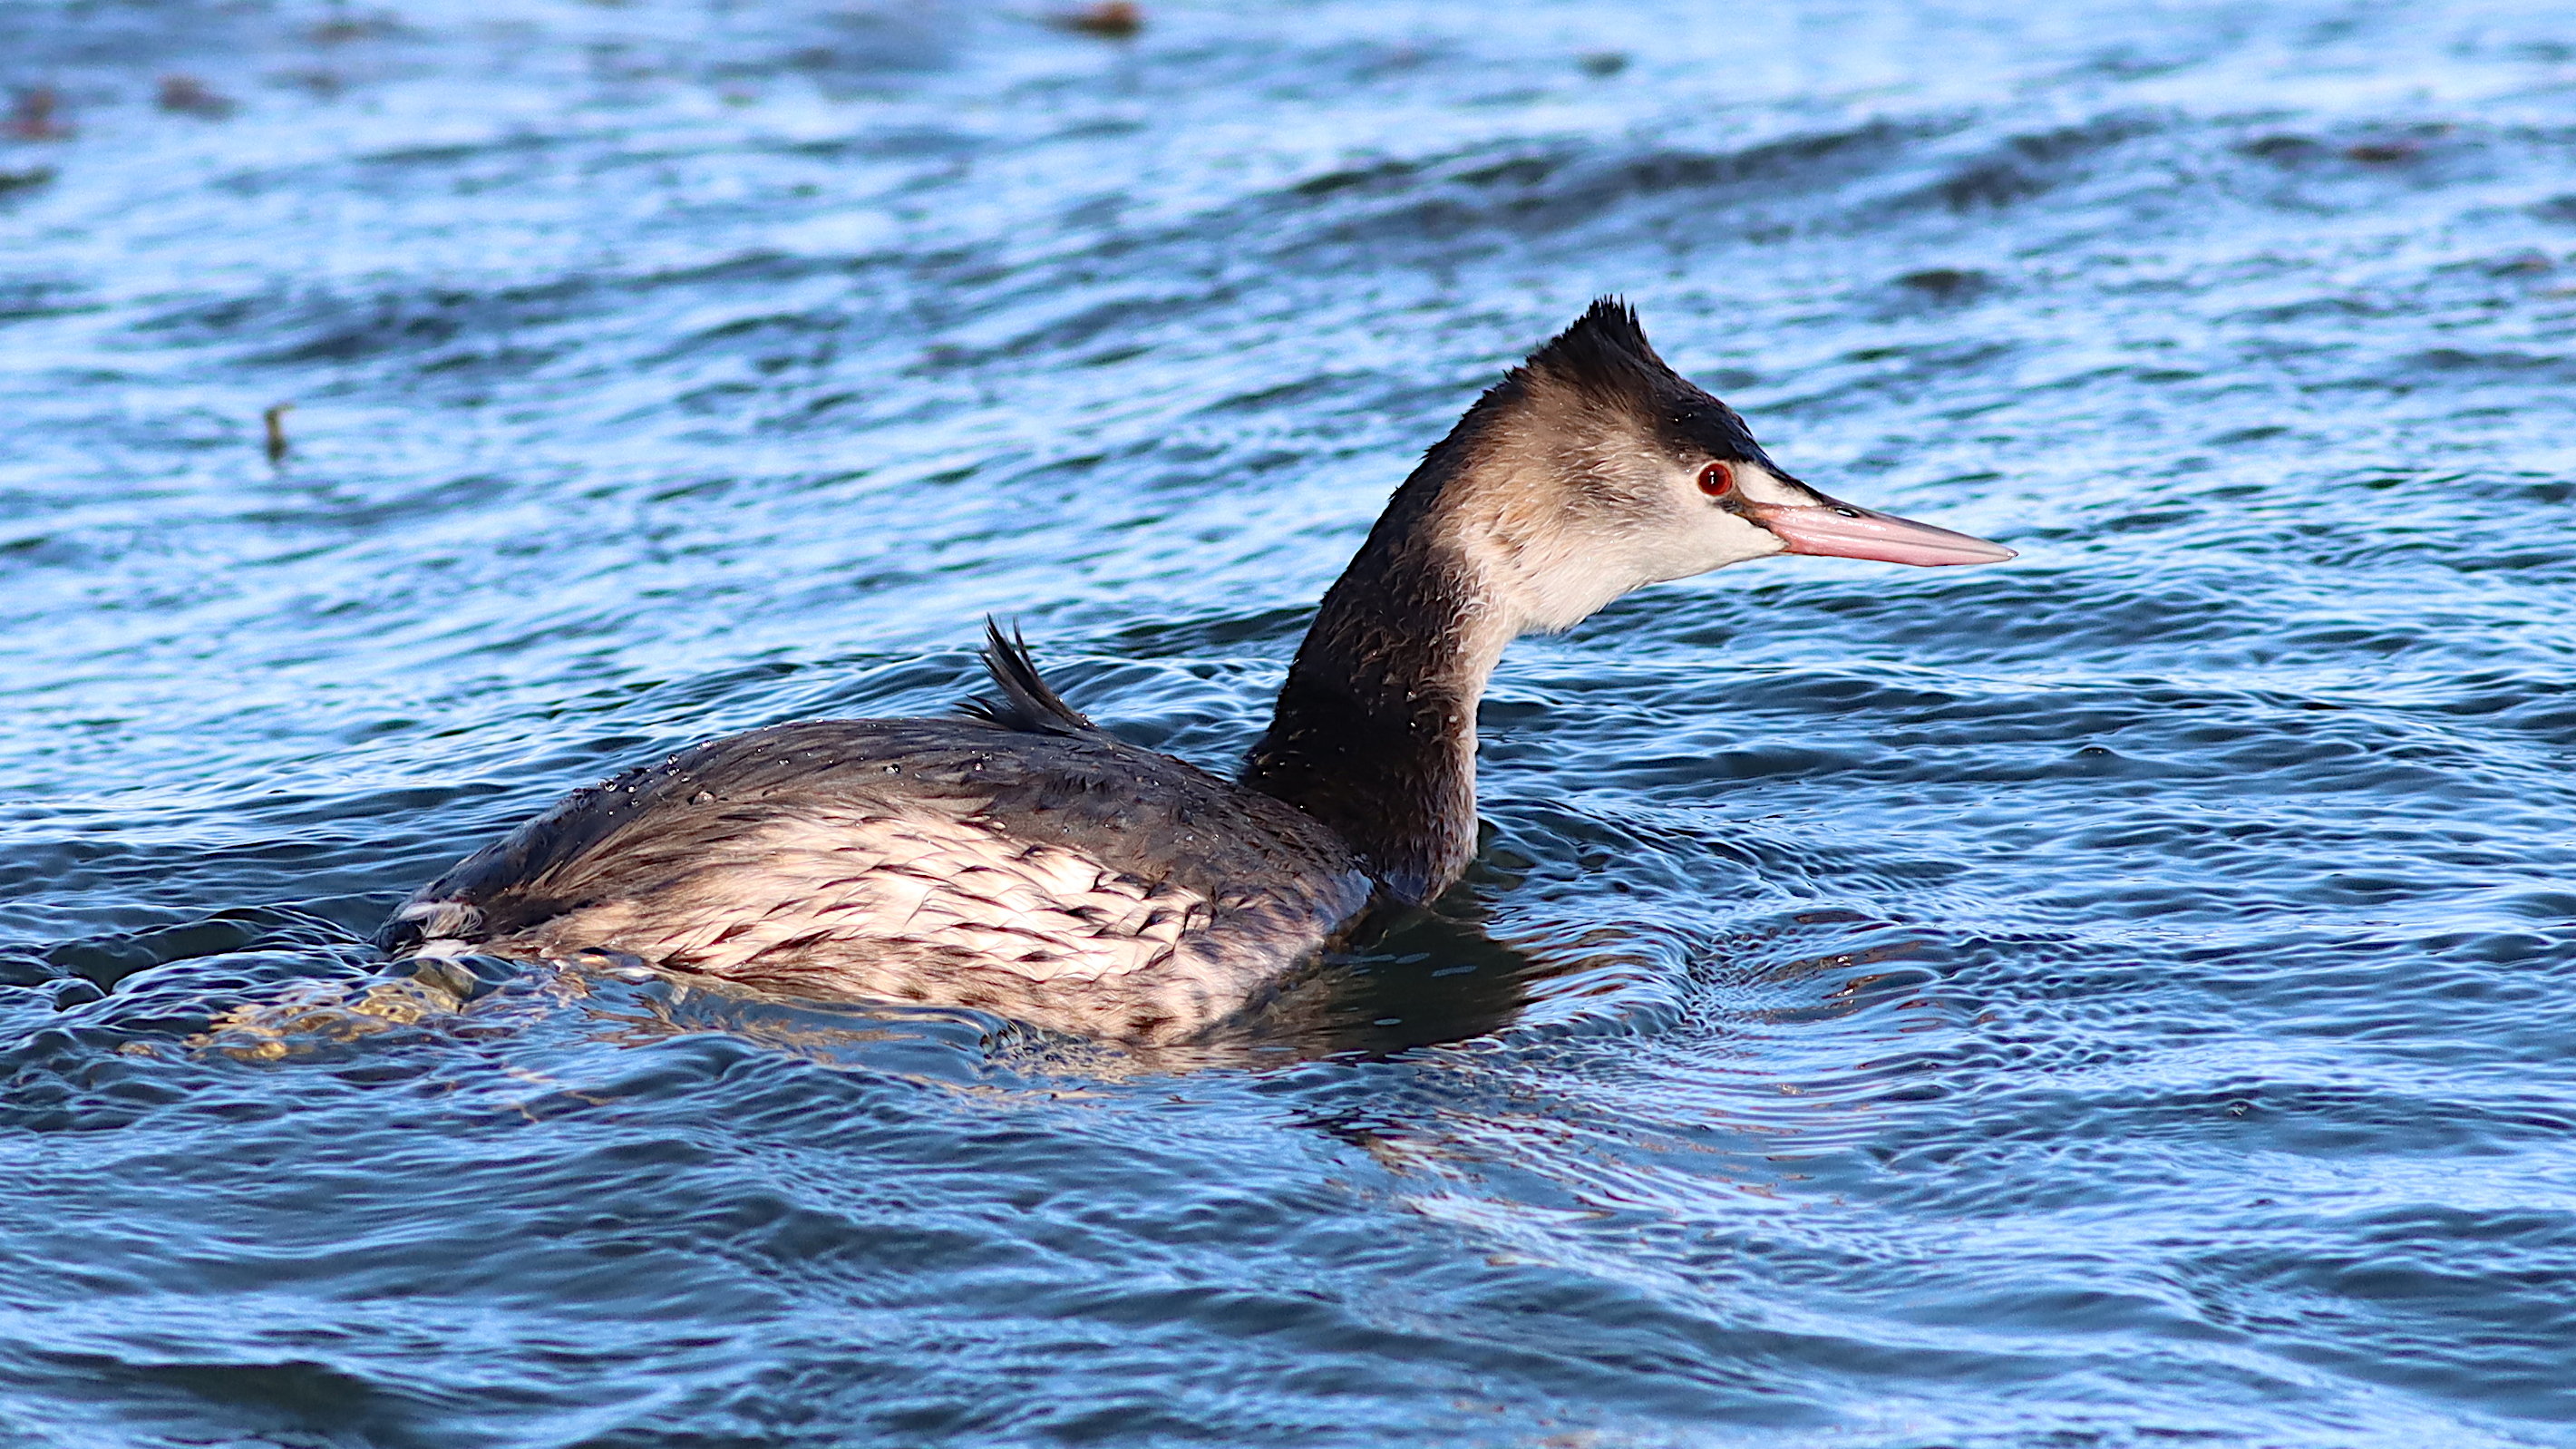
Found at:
<point>1022,860</point>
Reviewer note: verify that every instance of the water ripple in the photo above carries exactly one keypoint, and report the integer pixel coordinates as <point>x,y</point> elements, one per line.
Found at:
<point>2114,998</point>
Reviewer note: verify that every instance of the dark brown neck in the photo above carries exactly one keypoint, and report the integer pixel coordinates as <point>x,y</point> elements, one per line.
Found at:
<point>1375,733</point>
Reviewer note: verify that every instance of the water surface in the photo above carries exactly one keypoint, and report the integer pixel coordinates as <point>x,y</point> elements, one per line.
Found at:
<point>2118,997</point>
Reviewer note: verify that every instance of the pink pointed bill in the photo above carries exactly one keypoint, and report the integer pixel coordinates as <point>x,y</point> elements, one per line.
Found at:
<point>1842,531</point>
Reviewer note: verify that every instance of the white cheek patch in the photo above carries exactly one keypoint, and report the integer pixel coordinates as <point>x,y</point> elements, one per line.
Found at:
<point>1758,484</point>
<point>1549,580</point>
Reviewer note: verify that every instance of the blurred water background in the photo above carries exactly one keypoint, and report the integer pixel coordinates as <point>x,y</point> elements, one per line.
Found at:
<point>2120,997</point>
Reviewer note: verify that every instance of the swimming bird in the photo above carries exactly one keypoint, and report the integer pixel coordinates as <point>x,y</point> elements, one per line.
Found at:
<point>1022,860</point>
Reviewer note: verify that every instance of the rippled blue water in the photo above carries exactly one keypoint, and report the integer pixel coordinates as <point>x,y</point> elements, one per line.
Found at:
<point>2119,997</point>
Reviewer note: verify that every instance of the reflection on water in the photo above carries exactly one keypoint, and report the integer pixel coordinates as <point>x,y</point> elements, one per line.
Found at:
<point>2120,996</point>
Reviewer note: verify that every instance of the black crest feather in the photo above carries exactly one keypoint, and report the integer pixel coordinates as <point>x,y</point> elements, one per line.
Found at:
<point>1026,702</point>
<point>1606,353</point>
<point>1606,356</point>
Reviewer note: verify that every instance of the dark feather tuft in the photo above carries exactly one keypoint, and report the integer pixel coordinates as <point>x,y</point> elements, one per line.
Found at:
<point>1605,356</point>
<point>1606,353</point>
<point>1026,703</point>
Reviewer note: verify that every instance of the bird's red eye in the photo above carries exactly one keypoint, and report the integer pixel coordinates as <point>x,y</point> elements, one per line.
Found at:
<point>1717,480</point>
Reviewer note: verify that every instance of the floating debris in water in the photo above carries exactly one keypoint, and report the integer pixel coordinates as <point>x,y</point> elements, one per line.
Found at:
<point>1112,19</point>
<point>1947,284</point>
<point>187,96</point>
<point>37,116</point>
<point>27,180</point>
<point>317,81</point>
<point>1602,63</point>
<point>275,418</point>
<point>343,27</point>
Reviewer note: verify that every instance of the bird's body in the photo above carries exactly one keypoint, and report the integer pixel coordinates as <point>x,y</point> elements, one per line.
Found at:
<point>1060,877</point>
<point>1026,862</point>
